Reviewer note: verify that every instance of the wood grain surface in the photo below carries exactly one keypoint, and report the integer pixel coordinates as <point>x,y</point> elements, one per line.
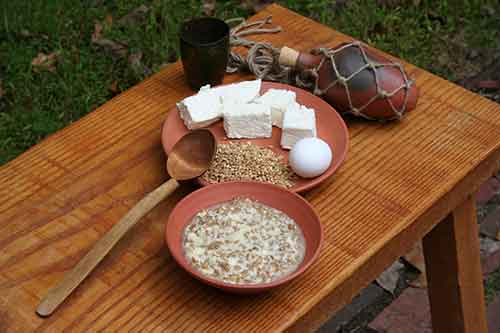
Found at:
<point>103,246</point>
<point>58,198</point>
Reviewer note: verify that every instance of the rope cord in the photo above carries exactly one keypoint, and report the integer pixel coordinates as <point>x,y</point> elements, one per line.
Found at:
<point>262,60</point>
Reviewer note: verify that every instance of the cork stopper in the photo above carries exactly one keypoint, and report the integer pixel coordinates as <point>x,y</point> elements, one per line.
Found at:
<point>288,56</point>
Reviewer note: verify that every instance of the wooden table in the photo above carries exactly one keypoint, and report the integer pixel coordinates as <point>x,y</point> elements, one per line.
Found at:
<point>401,182</point>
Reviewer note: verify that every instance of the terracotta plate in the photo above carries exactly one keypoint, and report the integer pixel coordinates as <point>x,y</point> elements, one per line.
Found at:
<point>330,127</point>
<point>271,195</point>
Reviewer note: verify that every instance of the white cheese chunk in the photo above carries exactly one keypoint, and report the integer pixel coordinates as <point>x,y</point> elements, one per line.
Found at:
<point>205,108</point>
<point>241,92</point>
<point>298,123</point>
<point>279,100</point>
<point>247,120</point>
<point>205,88</point>
<point>200,110</point>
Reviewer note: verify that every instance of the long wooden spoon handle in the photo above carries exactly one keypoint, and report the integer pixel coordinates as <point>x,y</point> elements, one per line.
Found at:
<point>71,280</point>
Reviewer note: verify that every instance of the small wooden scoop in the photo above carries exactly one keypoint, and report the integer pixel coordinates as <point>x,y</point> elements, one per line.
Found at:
<point>190,157</point>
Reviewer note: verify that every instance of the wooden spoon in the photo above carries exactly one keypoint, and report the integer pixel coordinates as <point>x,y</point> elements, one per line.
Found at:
<point>190,157</point>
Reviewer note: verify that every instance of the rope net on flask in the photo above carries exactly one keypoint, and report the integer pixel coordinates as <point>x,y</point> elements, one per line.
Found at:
<point>262,61</point>
<point>374,66</point>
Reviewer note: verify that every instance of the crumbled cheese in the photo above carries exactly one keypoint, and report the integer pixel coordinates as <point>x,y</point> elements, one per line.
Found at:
<point>247,120</point>
<point>244,241</point>
<point>298,123</point>
<point>279,100</point>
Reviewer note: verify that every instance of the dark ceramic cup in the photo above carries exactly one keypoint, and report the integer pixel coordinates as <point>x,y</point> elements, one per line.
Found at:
<point>204,51</point>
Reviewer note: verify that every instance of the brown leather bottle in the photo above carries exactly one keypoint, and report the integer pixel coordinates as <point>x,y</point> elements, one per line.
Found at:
<point>362,86</point>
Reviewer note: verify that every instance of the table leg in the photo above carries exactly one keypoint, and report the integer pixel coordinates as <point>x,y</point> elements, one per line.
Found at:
<point>454,275</point>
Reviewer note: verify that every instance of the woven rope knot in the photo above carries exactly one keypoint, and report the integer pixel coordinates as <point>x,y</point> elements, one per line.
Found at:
<point>262,57</point>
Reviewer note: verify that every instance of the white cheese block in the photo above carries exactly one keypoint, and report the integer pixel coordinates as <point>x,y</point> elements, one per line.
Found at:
<point>241,92</point>
<point>279,100</point>
<point>200,110</point>
<point>247,120</point>
<point>205,108</point>
<point>298,123</point>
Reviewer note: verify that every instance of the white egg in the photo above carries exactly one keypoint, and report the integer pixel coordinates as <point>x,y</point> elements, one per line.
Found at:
<point>310,157</point>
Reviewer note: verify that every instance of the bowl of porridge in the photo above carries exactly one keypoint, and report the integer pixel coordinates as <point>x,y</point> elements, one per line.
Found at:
<point>244,237</point>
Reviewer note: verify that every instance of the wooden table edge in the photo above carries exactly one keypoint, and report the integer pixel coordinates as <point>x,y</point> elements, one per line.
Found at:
<point>371,265</point>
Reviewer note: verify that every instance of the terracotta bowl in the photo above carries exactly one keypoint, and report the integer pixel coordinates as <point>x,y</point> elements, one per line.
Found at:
<point>330,126</point>
<point>290,203</point>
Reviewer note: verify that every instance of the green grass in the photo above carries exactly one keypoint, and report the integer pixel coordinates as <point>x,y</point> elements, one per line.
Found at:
<point>492,286</point>
<point>419,34</point>
<point>37,104</point>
